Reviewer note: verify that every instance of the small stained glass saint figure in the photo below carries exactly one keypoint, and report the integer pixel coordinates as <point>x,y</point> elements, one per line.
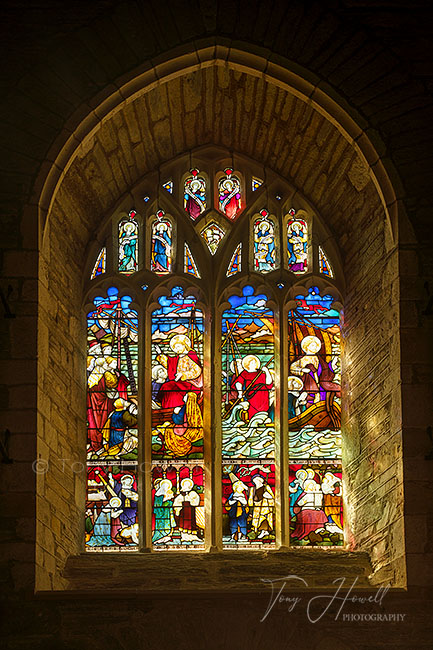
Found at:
<point>161,252</point>
<point>261,501</point>
<point>264,244</point>
<point>189,515</point>
<point>163,511</point>
<point>237,507</point>
<point>195,194</point>
<point>297,240</point>
<point>128,245</point>
<point>229,188</point>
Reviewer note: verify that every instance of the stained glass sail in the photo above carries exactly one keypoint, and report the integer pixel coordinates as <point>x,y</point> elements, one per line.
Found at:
<point>235,265</point>
<point>162,244</point>
<point>168,186</point>
<point>112,434</point>
<point>189,265</point>
<point>229,190</point>
<point>178,514</point>
<point>99,267</point>
<point>177,378</point>
<point>212,233</point>
<point>324,265</point>
<point>194,194</point>
<point>248,414</point>
<point>314,420</point>
<point>297,242</point>
<point>264,243</point>
<point>128,244</point>
<point>256,183</point>
<point>177,423</point>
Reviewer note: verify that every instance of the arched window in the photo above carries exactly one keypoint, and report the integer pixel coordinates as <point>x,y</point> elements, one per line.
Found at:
<point>214,376</point>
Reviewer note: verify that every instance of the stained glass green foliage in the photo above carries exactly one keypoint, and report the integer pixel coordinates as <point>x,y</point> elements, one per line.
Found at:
<point>248,497</point>
<point>128,245</point>
<point>177,378</point>
<point>316,505</point>
<point>178,510</point>
<point>112,370</point>
<point>100,264</point>
<point>111,509</point>
<point>247,350</point>
<point>264,244</point>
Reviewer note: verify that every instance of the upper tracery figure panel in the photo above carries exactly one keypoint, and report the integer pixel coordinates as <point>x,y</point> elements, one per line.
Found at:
<point>215,215</point>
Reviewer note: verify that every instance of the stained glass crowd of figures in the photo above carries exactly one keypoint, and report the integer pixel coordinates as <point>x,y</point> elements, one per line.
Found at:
<point>249,466</point>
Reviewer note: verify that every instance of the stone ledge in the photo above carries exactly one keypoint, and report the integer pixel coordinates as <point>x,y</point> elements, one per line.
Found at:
<point>223,571</point>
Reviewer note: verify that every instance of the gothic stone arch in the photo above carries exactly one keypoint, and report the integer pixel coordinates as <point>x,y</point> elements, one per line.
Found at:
<point>275,117</point>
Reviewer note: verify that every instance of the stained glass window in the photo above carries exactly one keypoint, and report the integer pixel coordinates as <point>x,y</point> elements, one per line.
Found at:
<point>128,244</point>
<point>229,190</point>
<point>189,265</point>
<point>162,244</point>
<point>248,430</point>
<point>256,183</point>
<point>245,345</point>
<point>314,412</point>
<point>297,242</point>
<point>112,434</point>
<point>264,243</point>
<point>212,233</point>
<point>194,194</point>
<point>99,267</point>
<point>235,265</point>
<point>324,265</point>
<point>177,423</point>
<point>168,186</point>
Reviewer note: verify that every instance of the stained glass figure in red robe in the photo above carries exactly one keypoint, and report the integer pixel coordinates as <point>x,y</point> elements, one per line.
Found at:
<point>229,188</point>
<point>195,194</point>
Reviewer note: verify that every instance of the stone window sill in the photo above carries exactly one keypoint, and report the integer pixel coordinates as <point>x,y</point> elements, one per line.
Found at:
<point>218,572</point>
